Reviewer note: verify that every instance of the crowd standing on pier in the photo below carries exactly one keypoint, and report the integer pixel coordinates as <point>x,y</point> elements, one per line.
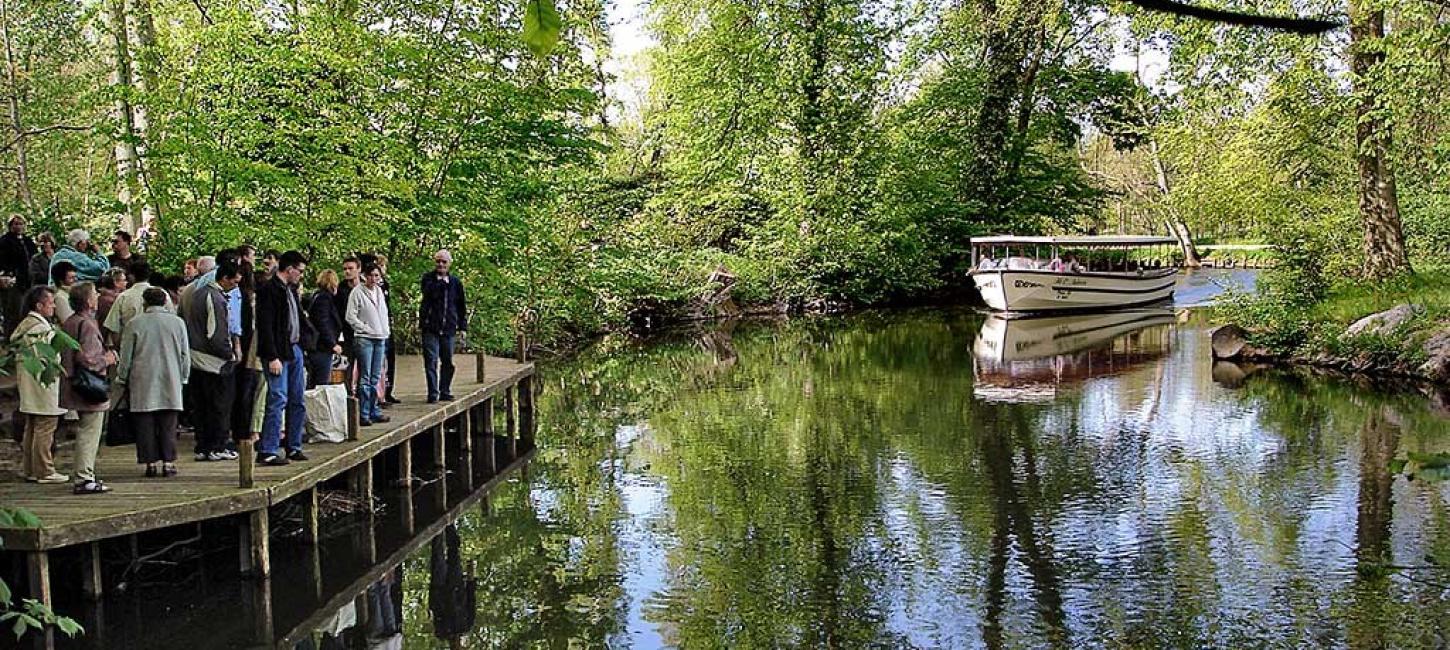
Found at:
<point>226,347</point>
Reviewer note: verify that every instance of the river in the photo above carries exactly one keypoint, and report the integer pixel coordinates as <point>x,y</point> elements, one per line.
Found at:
<point>936,479</point>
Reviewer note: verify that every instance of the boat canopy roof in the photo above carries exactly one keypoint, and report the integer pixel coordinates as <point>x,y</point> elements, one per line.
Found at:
<point>1076,240</point>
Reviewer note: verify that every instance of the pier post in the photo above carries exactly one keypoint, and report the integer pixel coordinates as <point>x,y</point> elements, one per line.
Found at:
<point>354,418</point>
<point>91,571</point>
<point>526,411</point>
<point>255,553</point>
<point>37,565</point>
<point>440,448</point>
<point>309,516</point>
<point>465,446</point>
<point>405,464</point>
<point>510,422</point>
<point>246,459</point>
<point>259,604</point>
<point>490,446</point>
<point>480,369</point>
<point>360,482</point>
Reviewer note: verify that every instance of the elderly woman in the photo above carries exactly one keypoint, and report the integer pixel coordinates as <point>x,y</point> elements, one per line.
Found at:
<point>155,363</point>
<point>322,310</point>
<point>39,401</point>
<point>111,285</point>
<point>91,357</point>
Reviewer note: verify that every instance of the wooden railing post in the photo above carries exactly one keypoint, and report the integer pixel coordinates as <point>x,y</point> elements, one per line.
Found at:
<point>354,418</point>
<point>480,369</point>
<point>246,460</point>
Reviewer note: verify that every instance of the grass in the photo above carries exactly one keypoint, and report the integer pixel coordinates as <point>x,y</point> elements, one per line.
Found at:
<point>1429,287</point>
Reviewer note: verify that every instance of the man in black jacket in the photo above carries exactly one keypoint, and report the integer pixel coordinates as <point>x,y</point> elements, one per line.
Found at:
<point>351,279</point>
<point>16,249</point>
<point>281,327</point>
<point>441,314</point>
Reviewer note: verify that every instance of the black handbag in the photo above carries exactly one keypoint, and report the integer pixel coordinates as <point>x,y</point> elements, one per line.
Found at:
<point>90,385</point>
<point>118,428</point>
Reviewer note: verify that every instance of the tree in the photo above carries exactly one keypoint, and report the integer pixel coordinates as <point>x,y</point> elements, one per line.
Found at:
<point>1379,207</point>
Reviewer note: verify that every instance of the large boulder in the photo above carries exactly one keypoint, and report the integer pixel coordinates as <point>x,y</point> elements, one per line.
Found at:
<point>1231,343</point>
<point>1383,323</point>
<point>1437,355</point>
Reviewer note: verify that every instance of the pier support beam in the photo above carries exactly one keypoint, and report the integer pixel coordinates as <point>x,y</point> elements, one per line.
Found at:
<point>360,481</point>
<point>526,411</point>
<point>354,418</point>
<point>256,554</point>
<point>404,478</point>
<point>37,569</point>
<point>91,571</point>
<point>465,447</point>
<point>309,516</point>
<point>510,422</point>
<point>440,448</point>
<point>490,447</point>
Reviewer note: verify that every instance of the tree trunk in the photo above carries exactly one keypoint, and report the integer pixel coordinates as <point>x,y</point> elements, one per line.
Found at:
<point>1379,207</point>
<point>142,38</point>
<point>128,183</point>
<point>1176,224</point>
<point>17,124</point>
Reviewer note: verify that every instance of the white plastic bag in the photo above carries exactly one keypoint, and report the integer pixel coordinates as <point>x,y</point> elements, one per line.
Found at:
<point>326,413</point>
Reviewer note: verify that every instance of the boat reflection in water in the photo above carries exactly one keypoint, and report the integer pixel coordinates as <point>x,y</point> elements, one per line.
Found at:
<point>1028,359</point>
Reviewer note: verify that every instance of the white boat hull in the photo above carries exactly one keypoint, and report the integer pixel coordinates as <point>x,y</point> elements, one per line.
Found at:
<point>1016,290</point>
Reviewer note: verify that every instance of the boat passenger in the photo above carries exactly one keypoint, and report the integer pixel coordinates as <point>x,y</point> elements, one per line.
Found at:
<point>986,264</point>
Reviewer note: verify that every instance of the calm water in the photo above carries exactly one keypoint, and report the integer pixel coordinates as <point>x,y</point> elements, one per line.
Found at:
<point>934,479</point>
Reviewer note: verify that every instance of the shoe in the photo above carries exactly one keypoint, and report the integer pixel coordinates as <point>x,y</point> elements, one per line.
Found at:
<point>392,400</point>
<point>151,471</point>
<point>382,418</point>
<point>216,456</point>
<point>364,423</point>
<point>168,470</point>
<point>227,454</point>
<point>386,405</point>
<point>91,487</point>
<point>272,459</point>
<point>432,400</point>
<point>202,457</point>
<point>53,478</point>
<point>445,398</point>
<point>296,454</point>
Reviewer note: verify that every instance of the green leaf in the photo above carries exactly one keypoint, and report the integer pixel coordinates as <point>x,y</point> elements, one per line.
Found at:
<point>542,26</point>
<point>5,597</point>
<point>69,626</point>
<point>7,520</point>
<point>1397,466</point>
<point>26,519</point>
<point>1430,460</point>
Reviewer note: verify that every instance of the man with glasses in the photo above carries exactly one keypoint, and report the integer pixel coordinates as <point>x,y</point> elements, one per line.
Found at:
<point>441,315</point>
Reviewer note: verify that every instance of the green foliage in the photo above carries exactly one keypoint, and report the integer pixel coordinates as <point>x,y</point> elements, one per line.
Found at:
<point>1420,466</point>
<point>30,615</point>
<point>38,355</point>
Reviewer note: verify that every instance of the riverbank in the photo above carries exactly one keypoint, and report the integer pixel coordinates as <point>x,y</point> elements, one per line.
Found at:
<point>1396,328</point>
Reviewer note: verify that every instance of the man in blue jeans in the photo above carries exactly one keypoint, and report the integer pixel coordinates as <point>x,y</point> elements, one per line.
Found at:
<point>441,314</point>
<point>281,324</point>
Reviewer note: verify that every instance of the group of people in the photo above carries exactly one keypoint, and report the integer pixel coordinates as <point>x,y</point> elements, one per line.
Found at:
<point>229,346</point>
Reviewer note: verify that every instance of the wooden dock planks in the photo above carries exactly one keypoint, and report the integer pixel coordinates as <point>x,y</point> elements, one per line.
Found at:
<point>205,491</point>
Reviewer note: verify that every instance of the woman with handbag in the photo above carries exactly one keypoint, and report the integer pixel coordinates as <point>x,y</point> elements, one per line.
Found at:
<point>85,389</point>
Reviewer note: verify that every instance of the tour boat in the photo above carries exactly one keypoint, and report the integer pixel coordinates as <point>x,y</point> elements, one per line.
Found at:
<point>1013,276</point>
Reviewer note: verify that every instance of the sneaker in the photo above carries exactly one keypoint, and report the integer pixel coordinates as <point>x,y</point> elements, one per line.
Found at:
<point>168,470</point>
<point>382,418</point>
<point>216,456</point>
<point>364,423</point>
<point>202,457</point>
<point>228,454</point>
<point>272,459</point>
<point>53,478</point>
<point>296,454</point>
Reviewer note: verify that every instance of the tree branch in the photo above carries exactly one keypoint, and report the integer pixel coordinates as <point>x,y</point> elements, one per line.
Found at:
<point>43,130</point>
<point>1307,26</point>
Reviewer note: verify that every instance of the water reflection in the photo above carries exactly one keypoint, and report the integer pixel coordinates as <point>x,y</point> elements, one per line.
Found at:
<point>846,483</point>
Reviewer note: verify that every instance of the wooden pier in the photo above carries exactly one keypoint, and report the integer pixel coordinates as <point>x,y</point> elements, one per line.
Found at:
<point>462,436</point>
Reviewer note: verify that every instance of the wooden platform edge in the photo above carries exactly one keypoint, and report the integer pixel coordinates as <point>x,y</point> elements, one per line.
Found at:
<point>46,538</point>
